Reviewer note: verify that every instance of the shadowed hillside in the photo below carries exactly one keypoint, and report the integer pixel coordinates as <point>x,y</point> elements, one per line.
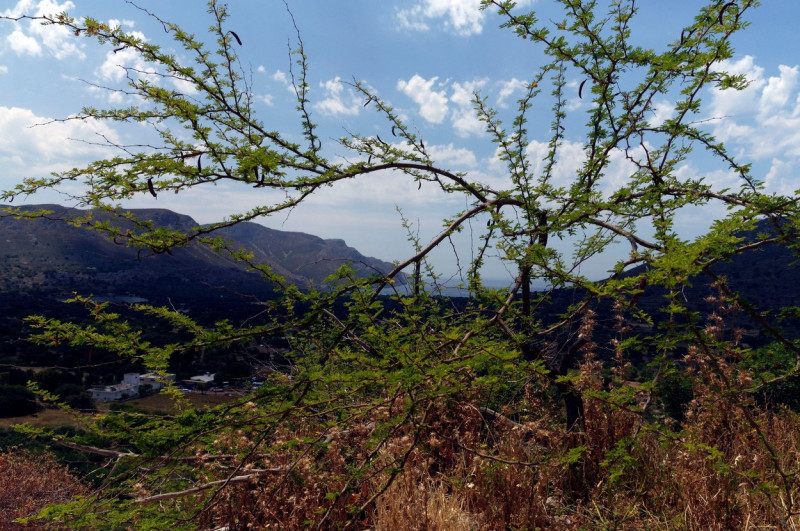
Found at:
<point>51,255</point>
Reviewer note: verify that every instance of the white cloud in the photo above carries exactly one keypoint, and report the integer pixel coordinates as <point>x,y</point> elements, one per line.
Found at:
<point>266,99</point>
<point>465,119</point>
<point>508,88</point>
<point>738,102</point>
<point>34,8</point>
<point>184,86</point>
<point>261,69</point>
<point>338,101</point>
<point>782,177</point>
<point>3,69</point>
<point>23,44</point>
<point>432,103</point>
<point>763,120</point>
<point>30,149</point>
<point>280,77</point>
<point>778,91</point>
<point>462,17</point>
<point>662,111</point>
<point>116,23</point>
<point>32,38</point>
<point>449,154</point>
<point>116,63</point>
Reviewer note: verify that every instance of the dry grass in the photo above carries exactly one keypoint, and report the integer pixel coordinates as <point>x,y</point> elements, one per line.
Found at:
<point>47,418</point>
<point>30,482</point>
<point>160,402</point>
<point>428,505</point>
<point>56,418</point>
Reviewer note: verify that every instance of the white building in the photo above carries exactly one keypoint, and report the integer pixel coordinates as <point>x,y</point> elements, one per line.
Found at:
<point>129,387</point>
<point>154,380</point>
<point>114,392</point>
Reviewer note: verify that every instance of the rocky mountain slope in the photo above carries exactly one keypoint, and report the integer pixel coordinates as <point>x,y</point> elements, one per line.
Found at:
<point>50,255</point>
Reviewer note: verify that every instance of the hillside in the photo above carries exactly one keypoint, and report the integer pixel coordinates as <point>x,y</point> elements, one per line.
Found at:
<point>50,255</point>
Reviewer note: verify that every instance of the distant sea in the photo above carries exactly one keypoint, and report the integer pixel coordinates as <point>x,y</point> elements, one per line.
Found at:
<point>459,289</point>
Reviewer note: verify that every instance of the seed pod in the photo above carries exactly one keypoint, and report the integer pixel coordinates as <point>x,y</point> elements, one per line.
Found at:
<point>722,11</point>
<point>580,89</point>
<point>236,37</point>
<point>151,187</point>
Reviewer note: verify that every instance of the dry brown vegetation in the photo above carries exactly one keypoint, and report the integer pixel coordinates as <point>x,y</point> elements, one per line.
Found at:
<point>30,482</point>
<point>468,471</point>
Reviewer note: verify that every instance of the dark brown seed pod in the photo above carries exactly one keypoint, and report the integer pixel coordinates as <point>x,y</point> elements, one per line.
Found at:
<point>151,188</point>
<point>199,167</point>
<point>421,144</point>
<point>580,89</point>
<point>722,11</point>
<point>236,37</point>
<point>393,133</point>
<point>119,49</point>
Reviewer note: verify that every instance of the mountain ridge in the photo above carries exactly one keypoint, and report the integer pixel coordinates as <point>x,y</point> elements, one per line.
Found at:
<point>50,254</point>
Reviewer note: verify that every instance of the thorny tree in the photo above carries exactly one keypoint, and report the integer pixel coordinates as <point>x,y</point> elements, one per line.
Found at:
<point>372,389</point>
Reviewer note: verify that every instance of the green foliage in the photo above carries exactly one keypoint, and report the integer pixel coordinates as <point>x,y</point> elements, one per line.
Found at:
<point>376,386</point>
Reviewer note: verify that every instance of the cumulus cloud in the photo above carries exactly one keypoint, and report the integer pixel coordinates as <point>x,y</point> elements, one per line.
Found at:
<point>761,122</point>
<point>462,17</point>
<point>280,77</point>
<point>30,148</point>
<point>266,99</point>
<point>338,101</point>
<point>23,44</point>
<point>465,120</point>
<point>32,38</point>
<point>3,69</point>
<point>662,111</point>
<point>115,64</point>
<point>508,89</point>
<point>449,154</point>
<point>432,103</point>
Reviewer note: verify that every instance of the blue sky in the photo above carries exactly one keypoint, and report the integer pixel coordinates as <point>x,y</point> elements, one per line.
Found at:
<point>425,57</point>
